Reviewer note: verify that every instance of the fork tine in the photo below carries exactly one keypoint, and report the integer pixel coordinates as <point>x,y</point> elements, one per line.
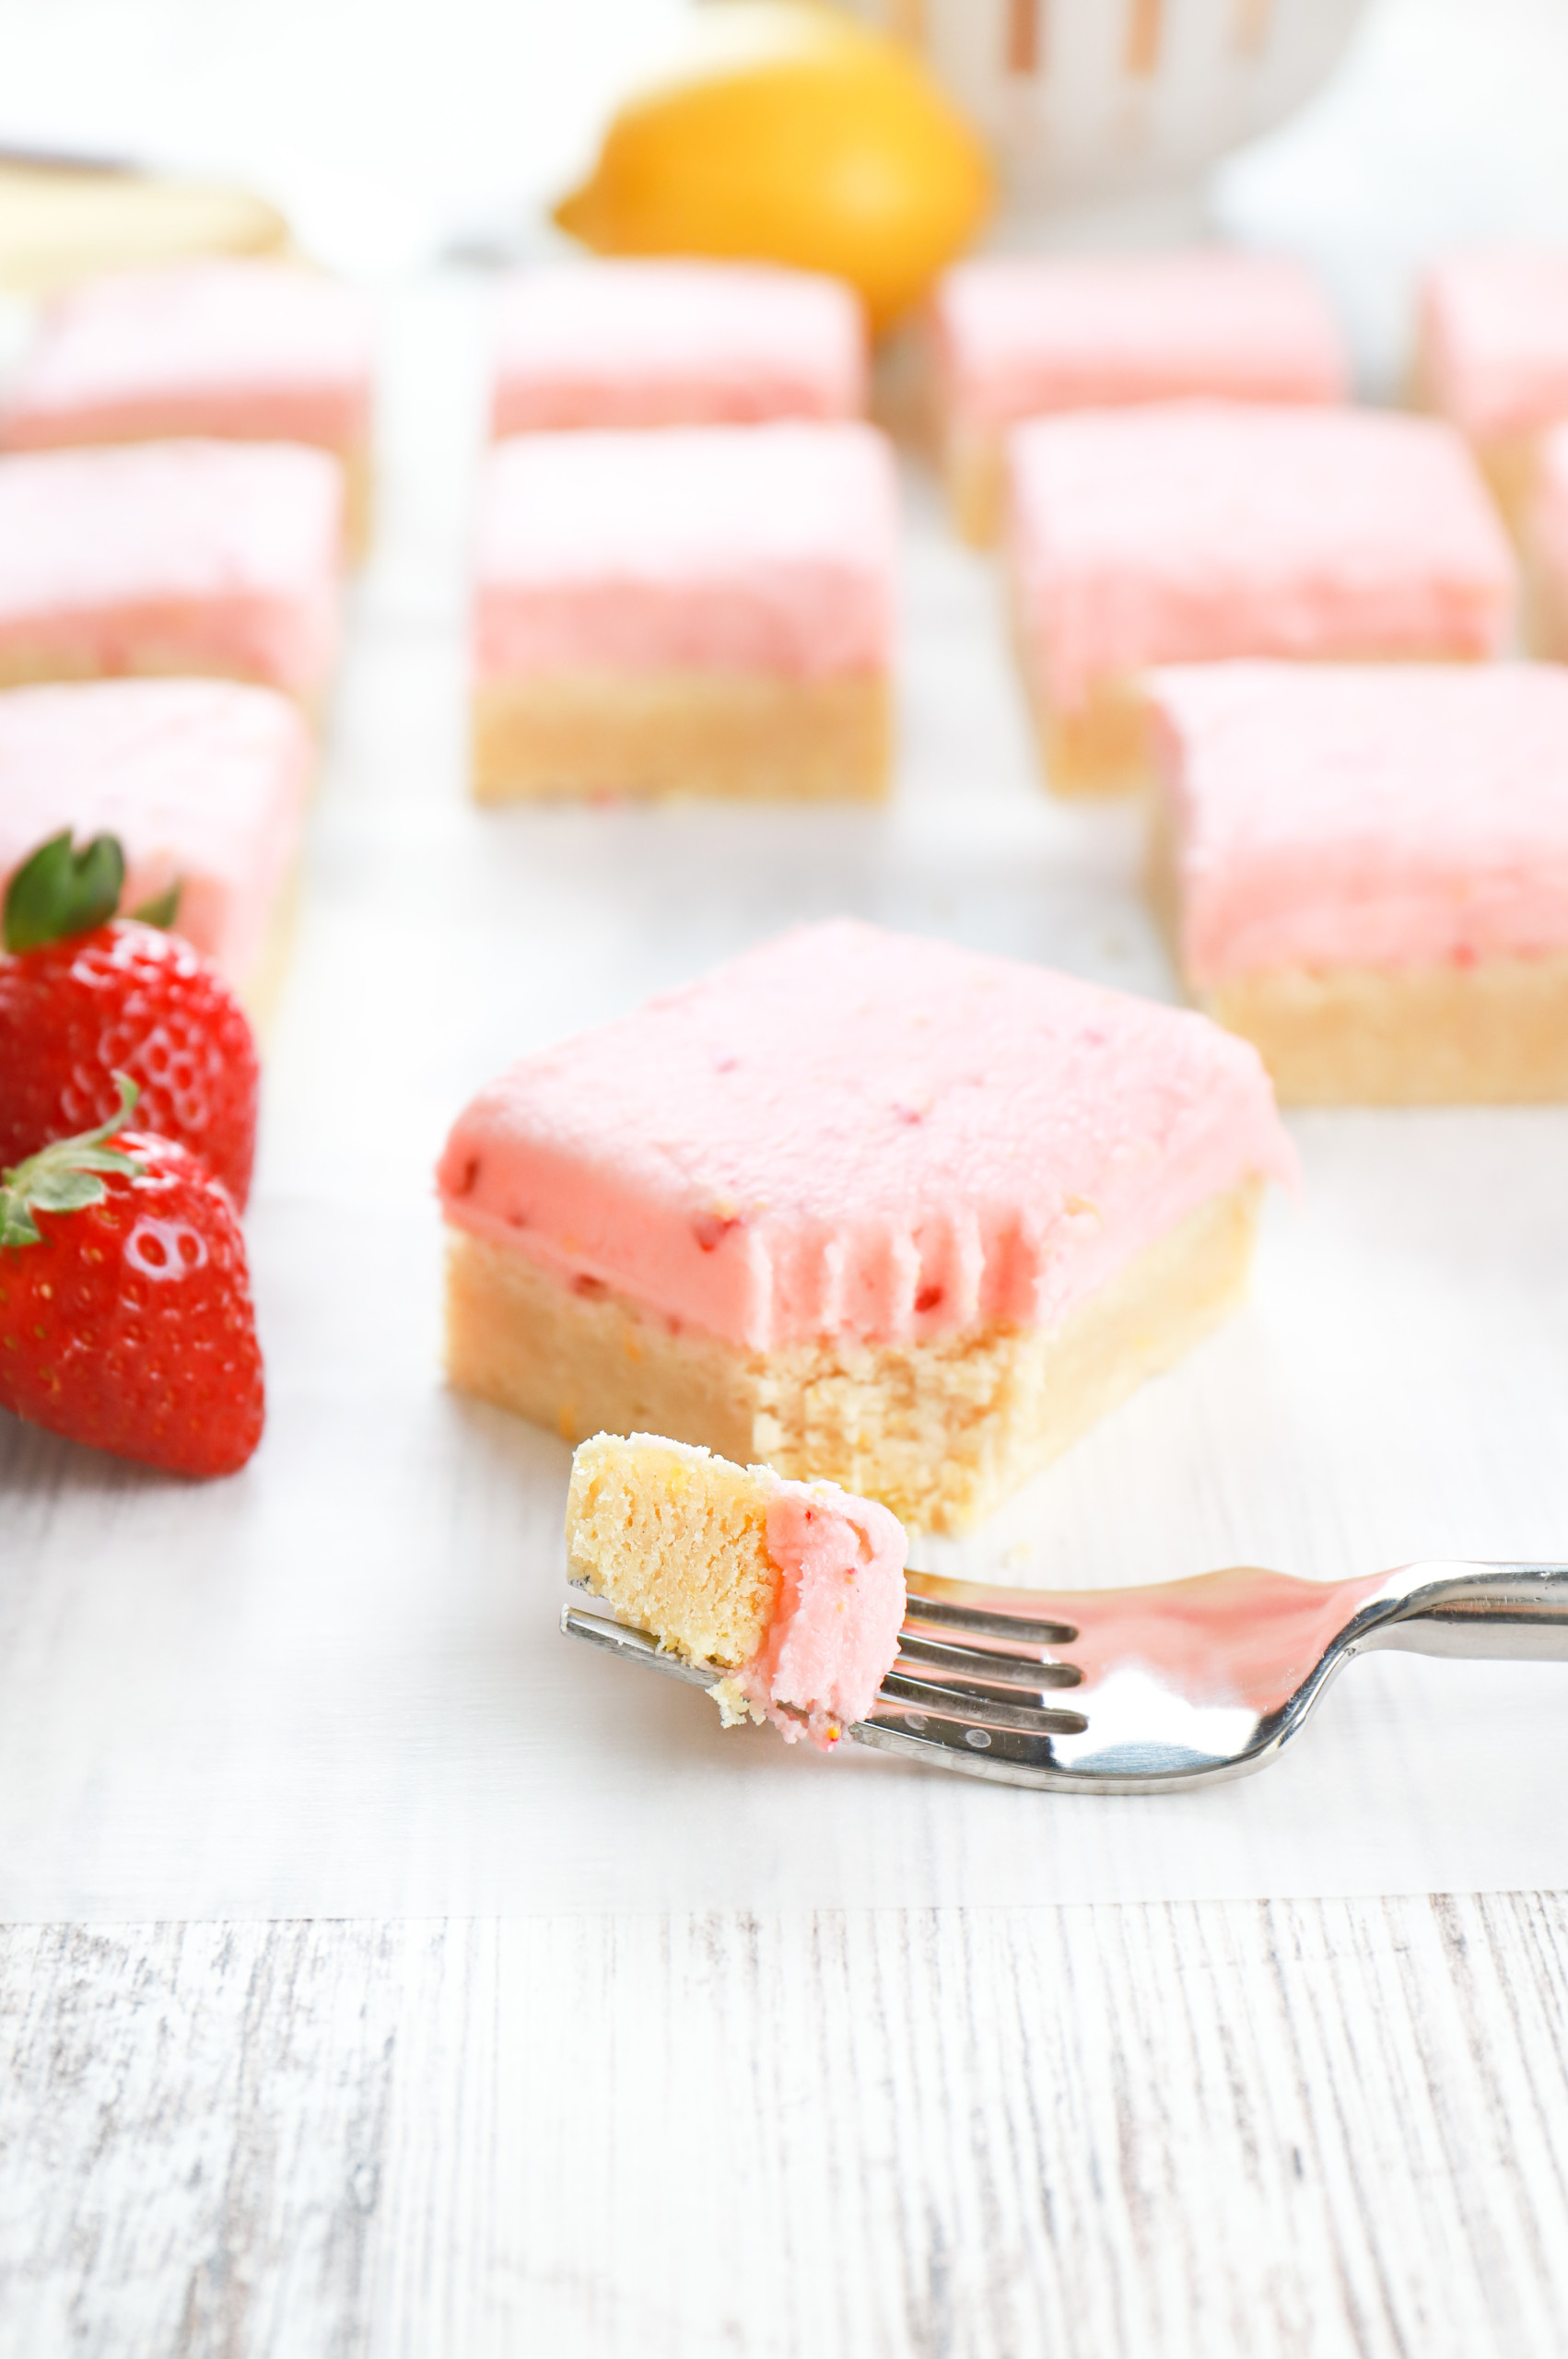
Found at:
<point>968,1706</point>
<point>634,1646</point>
<point>1008,1755</point>
<point>931,1605</point>
<point>999,1669</point>
<point>985,1736</point>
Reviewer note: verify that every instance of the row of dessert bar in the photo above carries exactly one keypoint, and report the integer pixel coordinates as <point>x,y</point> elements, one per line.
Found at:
<point>186,472</point>
<point>1225,579</point>
<point>686,580</point>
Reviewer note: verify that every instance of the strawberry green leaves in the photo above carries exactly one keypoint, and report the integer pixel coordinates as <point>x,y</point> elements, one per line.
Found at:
<point>59,891</point>
<point>65,1177</point>
<point>162,910</point>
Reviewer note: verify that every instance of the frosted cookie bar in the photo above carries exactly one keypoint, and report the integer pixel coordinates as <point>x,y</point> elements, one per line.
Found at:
<point>204,783</point>
<point>237,351</point>
<point>1201,531</point>
<point>657,343</point>
<point>1493,357</point>
<point>793,1590</point>
<point>705,609</point>
<point>1018,337</point>
<point>860,1208</point>
<point>1545,544</point>
<point>1365,872</point>
<point>219,557</point>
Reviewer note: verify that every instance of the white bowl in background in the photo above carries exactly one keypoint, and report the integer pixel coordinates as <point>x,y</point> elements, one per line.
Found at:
<point>1105,115</point>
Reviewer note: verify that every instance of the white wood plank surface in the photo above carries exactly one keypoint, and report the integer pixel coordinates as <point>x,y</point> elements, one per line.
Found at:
<point>1111,2132</point>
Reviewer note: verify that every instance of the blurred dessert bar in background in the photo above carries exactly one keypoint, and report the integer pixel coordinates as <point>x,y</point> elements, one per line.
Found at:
<point>629,344</point>
<point>241,351</point>
<point>1365,870</point>
<point>1197,531</point>
<point>61,223</point>
<point>704,609</point>
<point>217,558</point>
<point>794,1591</point>
<point>204,783</point>
<point>1545,544</point>
<point>1016,337</point>
<point>1493,357</point>
<point>860,1206</point>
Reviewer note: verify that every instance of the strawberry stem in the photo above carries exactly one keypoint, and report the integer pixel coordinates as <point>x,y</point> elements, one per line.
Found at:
<point>66,1176</point>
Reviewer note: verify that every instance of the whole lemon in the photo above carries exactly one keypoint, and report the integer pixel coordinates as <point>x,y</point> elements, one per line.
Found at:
<point>794,136</point>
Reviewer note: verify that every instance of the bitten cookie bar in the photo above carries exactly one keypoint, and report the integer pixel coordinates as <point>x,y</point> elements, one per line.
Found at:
<point>704,609</point>
<point>202,782</point>
<point>860,1208</point>
<point>1365,872</point>
<point>220,557</point>
<point>1201,531</point>
<point>634,344</point>
<point>1492,357</point>
<point>793,1590</point>
<point>1016,338</point>
<point>232,351</point>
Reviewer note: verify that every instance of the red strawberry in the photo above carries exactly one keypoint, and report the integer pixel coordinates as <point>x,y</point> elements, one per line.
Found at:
<point>126,1315</point>
<point>81,1000</point>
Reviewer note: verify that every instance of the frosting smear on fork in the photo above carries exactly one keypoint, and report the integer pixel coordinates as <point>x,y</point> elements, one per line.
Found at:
<point>841,1603</point>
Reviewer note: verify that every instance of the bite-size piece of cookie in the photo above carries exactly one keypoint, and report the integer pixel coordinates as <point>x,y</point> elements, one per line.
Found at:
<point>794,1591</point>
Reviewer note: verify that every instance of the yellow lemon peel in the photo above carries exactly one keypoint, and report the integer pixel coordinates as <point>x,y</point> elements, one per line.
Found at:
<point>793,134</point>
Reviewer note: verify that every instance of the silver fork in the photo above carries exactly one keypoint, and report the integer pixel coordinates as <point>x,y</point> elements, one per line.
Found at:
<point>1174,1685</point>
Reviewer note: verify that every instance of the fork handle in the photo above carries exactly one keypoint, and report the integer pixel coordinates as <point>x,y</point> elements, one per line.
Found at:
<point>1514,1612</point>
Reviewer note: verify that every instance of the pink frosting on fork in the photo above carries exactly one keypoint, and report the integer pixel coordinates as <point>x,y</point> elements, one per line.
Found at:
<point>661,343</point>
<point>1022,336</point>
<point>749,548</point>
<point>1494,339</point>
<point>840,1604</point>
<point>1198,530</point>
<point>256,350</point>
<point>858,1134</point>
<point>203,781</point>
<point>173,557</point>
<point>1376,815</point>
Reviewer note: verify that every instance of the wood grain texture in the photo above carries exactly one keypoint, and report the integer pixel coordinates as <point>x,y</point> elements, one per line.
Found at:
<point>1303,2129</point>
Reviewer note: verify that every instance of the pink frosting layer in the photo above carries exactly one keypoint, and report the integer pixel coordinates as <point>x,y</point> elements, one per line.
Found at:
<point>858,1133</point>
<point>251,350</point>
<point>1494,339</point>
<point>674,344</point>
<point>203,781</point>
<point>745,549</point>
<point>1202,531</point>
<point>840,1606</point>
<point>1388,816</point>
<point>210,556</point>
<point>1020,337</point>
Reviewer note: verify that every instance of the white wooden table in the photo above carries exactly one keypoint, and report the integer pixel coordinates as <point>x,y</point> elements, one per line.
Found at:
<point>381,1975</point>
